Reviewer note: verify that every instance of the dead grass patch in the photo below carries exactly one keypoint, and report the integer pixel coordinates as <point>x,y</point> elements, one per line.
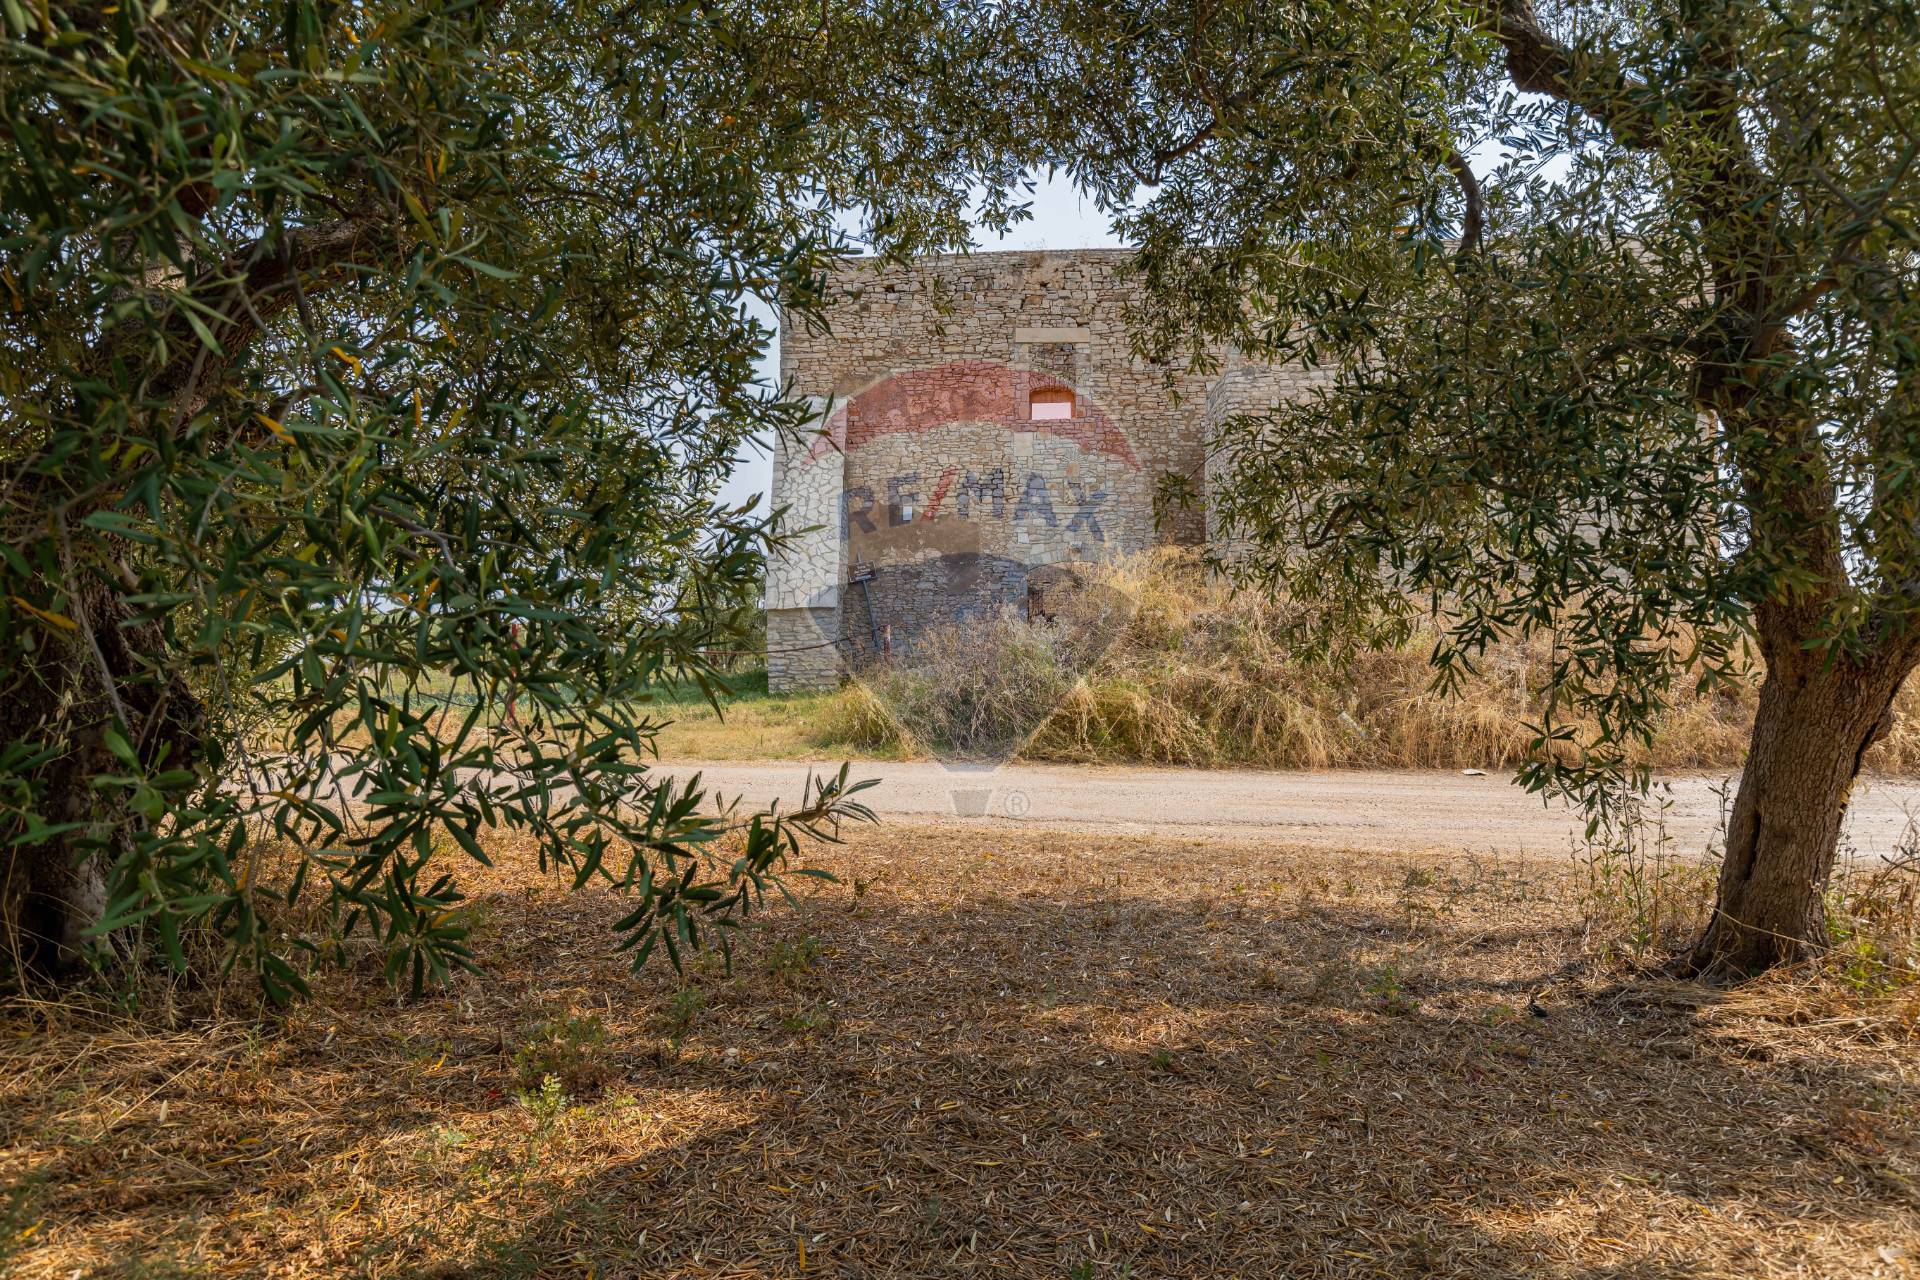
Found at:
<point>994,1054</point>
<point>1204,677</point>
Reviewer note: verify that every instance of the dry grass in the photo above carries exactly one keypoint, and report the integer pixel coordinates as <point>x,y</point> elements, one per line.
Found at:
<point>995,1054</point>
<point>1200,677</point>
<point>752,724</point>
<point>1205,678</point>
<point>979,690</point>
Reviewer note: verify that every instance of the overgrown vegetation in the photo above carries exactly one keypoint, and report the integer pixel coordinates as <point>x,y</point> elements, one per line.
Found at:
<point>1206,676</point>
<point>976,692</point>
<point>350,349</point>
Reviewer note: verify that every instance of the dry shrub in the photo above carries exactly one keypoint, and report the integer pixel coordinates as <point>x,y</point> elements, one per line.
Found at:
<point>974,693</point>
<point>1873,920</point>
<point>977,690</point>
<point>1645,901</point>
<point>1203,676</point>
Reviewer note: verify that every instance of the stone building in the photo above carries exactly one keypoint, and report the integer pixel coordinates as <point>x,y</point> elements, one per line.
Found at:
<point>986,426</point>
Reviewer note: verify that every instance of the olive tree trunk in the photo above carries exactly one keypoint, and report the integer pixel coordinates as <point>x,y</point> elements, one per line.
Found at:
<point>55,887</point>
<point>76,682</point>
<point>1815,723</point>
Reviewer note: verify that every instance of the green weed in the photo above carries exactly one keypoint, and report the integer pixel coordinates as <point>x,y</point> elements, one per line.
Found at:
<point>569,1050</point>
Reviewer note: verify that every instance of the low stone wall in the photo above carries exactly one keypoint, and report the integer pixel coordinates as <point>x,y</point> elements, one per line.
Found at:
<point>802,649</point>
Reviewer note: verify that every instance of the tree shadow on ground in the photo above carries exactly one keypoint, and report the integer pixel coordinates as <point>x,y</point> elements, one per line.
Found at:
<point>1156,1083</point>
<point>999,1055</point>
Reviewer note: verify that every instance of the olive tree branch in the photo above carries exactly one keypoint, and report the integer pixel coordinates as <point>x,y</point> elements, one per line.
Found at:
<point>1538,63</point>
<point>1473,224</point>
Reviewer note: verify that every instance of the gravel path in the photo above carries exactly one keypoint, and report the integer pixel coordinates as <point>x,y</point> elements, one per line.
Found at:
<point>1400,810</point>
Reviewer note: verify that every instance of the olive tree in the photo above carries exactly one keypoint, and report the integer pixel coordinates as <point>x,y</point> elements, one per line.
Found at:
<point>1617,309</point>
<point>369,369</point>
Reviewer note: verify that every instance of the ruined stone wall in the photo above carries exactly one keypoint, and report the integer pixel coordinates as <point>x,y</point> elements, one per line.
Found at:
<point>949,514</point>
<point>1057,314</point>
<point>1242,388</point>
<point>800,654</point>
<point>805,574</point>
<point>944,480</point>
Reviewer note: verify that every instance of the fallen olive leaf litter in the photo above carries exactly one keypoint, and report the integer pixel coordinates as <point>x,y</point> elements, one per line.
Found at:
<point>991,1053</point>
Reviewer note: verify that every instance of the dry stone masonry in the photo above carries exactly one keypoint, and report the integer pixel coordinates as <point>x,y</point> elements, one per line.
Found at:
<point>983,426</point>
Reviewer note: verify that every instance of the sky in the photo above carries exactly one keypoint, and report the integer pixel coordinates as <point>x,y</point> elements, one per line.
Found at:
<point>1061,220</point>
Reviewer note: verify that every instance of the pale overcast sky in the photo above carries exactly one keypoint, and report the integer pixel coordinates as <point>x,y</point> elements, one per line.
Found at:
<point>1061,220</point>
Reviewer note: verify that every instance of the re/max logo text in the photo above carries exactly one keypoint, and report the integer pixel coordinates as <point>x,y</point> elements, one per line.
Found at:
<point>907,499</point>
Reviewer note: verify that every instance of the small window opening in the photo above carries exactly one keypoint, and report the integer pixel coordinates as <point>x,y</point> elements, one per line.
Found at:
<point>1050,403</point>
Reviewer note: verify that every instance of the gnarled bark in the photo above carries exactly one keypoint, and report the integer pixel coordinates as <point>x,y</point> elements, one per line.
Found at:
<point>1815,723</point>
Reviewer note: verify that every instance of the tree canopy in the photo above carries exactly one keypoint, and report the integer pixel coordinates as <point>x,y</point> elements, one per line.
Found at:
<point>1617,309</point>
<point>368,369</point>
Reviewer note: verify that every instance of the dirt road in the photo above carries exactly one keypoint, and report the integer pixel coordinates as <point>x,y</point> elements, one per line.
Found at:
<point>1410,811</point>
